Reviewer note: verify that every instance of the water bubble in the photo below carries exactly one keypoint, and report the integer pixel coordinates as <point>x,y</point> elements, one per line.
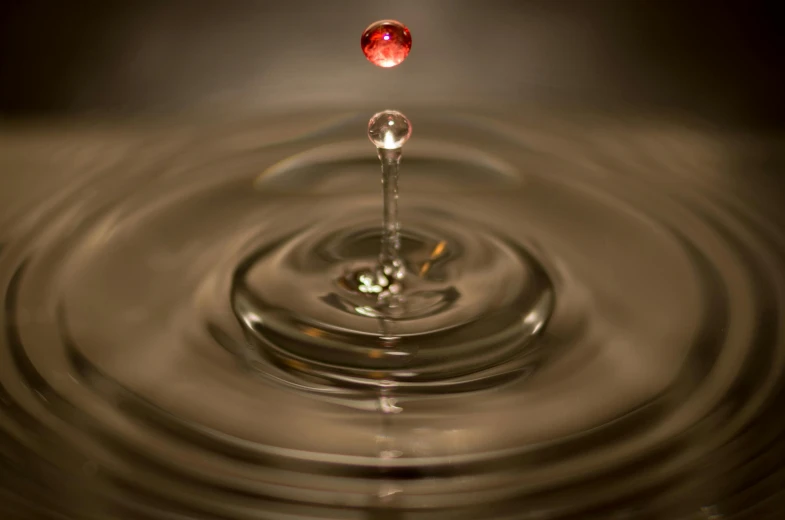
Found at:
<point>386,43</point>
<point>389,130</point>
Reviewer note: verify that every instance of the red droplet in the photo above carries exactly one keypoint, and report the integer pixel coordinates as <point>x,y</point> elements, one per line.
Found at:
<point>386,43</point>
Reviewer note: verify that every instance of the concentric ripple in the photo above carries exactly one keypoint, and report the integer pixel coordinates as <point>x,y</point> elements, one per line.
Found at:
<point>468,313</point>
<point>595,328</point>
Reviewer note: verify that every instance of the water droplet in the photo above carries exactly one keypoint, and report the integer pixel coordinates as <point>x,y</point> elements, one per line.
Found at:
<point>389,130</point>
<point>386,43</point>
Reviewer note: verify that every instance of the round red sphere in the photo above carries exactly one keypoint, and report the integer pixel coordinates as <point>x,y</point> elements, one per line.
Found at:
<point>386,43</point>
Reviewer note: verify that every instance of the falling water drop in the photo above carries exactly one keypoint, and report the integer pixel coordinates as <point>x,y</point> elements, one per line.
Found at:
<point>386,43</point>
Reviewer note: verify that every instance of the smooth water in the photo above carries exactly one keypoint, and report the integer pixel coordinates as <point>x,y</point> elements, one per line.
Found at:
<point>592,324</point>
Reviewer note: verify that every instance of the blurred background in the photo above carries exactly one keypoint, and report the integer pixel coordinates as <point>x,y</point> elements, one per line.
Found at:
<point>721,61</point>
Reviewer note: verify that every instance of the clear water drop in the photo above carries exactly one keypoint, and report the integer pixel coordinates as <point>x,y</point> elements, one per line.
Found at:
<point>389,130</point>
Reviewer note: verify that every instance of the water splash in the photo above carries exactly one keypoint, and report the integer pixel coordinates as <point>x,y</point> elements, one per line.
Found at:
<point>139,377</point>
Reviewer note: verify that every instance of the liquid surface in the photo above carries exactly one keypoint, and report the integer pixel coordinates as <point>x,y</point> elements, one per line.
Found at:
<point>137,380</point>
